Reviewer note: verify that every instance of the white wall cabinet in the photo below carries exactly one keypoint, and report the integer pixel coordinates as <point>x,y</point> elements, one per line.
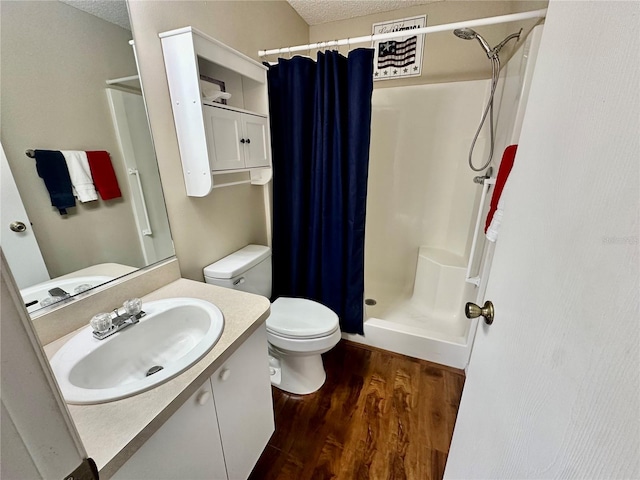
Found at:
<point>209,140</point>
<point>236,140</point>
<point>220,431</point>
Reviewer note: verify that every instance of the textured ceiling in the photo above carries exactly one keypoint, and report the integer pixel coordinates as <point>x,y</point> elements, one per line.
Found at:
<point>114,11</point>
<point>315,12</point>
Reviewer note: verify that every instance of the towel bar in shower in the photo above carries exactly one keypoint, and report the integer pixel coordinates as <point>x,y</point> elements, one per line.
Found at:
<point>486,184</point>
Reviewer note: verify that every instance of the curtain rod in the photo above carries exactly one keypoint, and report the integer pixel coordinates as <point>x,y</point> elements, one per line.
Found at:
<point>418,31</point>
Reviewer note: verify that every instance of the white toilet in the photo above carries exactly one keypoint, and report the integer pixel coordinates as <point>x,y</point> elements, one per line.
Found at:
<point>298,330</point>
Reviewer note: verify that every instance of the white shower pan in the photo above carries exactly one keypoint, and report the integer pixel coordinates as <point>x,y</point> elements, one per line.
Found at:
<point>430,324</point>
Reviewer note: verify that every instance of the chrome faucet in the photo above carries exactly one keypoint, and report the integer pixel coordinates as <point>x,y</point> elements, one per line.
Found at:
<point>106,324</point>
<point>59,292</point>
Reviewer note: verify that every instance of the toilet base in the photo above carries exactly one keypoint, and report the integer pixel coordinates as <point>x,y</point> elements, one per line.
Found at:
<point>296,374</point>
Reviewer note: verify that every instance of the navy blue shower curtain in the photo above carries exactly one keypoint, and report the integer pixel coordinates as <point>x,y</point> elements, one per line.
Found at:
<point>320,128</point>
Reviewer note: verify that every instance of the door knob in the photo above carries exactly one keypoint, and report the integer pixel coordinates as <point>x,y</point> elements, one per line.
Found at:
<point>471,310</point>
<point>17,227</point>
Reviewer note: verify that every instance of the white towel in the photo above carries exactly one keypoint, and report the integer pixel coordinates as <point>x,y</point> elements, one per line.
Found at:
<point>496,221</point>
<point>81,179</point>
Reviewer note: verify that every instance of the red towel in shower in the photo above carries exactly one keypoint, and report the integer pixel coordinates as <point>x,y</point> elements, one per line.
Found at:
<point>104,177</point>
<point>506,165</point>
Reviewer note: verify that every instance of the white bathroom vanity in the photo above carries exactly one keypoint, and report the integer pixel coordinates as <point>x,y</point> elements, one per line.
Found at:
<point>212,421</point>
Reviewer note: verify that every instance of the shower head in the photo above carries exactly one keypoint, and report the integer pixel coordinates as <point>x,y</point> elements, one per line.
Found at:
<point>469,34</point>
<point>465,33</point>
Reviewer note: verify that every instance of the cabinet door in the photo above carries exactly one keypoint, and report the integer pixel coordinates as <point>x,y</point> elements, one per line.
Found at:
<point>186,446</point>
<point>224,137</point>
<point>242,394</point>
<point>257,151</point>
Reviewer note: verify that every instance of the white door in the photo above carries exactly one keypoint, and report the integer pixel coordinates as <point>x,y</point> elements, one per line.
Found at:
<point>186,446</point>
<point>553,386</point>
<point>242,395</point>
<point>225,140</point>
<point>20,247</point>
<point>256,146</point>
<point>38,438</point>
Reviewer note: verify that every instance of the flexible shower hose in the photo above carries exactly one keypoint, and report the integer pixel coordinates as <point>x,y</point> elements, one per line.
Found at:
<point>495,73</point>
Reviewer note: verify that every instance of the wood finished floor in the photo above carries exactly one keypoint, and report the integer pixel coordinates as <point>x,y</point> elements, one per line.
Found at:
<point>378,416</point>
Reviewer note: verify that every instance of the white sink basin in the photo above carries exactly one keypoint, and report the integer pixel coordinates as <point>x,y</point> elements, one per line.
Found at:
<point>174,334</point>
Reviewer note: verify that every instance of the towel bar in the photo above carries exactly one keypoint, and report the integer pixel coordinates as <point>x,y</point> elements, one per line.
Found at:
<point>241,182</point>
<point>145,231</point>
<point>486,184</point>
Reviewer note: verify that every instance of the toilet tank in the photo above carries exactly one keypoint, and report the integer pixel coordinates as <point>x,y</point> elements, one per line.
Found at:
<point>248,269</point>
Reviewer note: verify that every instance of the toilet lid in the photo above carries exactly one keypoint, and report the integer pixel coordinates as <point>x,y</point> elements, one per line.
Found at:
<point>301,318</point>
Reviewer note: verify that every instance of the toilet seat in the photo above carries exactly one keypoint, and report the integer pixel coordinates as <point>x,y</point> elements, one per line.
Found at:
<point>301,318</point>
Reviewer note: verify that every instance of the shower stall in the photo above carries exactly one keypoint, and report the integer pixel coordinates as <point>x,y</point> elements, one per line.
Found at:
<point>423,208</point>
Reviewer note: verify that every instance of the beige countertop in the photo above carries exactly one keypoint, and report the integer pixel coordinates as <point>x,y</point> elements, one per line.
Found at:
<point>112,432</point>
<point>114,270</point>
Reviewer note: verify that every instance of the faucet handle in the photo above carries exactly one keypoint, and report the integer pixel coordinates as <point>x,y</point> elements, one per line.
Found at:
<point>133,306</point>
<point>101,322</point>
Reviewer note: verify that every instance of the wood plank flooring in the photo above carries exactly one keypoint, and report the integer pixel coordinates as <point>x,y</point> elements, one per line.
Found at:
<point>379,415</point>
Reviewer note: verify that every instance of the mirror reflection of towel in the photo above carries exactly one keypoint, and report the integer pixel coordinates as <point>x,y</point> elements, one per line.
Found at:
<point>104,177</point>
<point>80,174</point>
<point>52,168</point>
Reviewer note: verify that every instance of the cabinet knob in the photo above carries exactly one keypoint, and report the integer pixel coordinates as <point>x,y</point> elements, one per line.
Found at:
<point>225,374</point>
<point>203,397</point>
<point>248,140</point>
<point>242,140</point>
<point>17,227</point>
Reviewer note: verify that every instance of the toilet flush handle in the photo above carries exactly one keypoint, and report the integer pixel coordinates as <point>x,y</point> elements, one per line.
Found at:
<point>239,281</point>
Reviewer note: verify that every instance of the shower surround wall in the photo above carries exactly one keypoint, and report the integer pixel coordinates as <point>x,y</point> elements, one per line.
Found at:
<point>420,210</point>
<point>422,206</point>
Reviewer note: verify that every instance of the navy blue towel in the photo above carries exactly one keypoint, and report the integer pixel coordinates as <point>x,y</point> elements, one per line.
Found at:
<point>52,168</point>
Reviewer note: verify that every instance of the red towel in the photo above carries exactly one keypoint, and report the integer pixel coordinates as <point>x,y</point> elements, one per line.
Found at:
<point>104,178</point>
<point>506,165</point>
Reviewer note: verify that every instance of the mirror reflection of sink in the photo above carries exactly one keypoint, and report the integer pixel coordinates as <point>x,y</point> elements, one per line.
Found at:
<point>174,334</point>
<point>40,292</point>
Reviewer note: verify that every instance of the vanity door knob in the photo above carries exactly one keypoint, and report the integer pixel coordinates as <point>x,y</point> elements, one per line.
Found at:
<point>242,140</point>
<point>225,374</point>
<point>203,397</point>
<point>248,140</point>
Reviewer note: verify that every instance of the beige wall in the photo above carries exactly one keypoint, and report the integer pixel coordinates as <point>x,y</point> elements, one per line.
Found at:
<point>206,229</point>
<point>446,57</point>
<point>55,60</point>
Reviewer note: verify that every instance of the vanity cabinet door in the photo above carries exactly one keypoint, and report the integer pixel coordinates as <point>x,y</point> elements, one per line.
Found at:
<point>186,446</point>
<point>242,393</point>
<point>257,149</point>
<point>225,138</point>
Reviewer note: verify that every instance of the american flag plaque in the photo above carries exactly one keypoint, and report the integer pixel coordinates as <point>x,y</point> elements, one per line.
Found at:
<point>402,56</point>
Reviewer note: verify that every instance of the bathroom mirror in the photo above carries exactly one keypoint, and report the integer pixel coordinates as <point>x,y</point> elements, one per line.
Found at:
<point>70,83</point>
